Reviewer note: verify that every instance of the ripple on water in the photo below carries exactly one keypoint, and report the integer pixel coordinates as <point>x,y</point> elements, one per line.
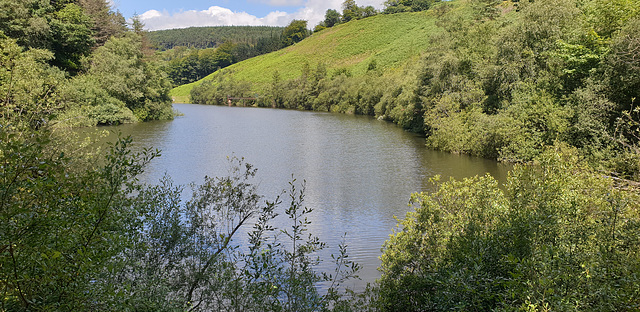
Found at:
<point>360,171</point>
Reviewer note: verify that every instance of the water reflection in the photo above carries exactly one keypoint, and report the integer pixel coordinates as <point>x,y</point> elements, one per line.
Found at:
<point>360,171</point>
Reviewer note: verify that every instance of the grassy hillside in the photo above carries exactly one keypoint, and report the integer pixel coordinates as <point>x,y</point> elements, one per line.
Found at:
<point>181,94</point>
<point>387,40</point>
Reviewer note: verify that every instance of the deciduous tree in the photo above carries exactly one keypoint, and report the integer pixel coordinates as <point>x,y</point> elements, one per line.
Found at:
<point>295,32</point>
<point>350,11</point>
<point>331,18</point>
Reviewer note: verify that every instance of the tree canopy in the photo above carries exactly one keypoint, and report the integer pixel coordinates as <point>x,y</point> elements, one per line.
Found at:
<point>558,237</point>
<point>211,37</point>
<point>399,6</point>
<point>296,31</point>
<point>332,18</point>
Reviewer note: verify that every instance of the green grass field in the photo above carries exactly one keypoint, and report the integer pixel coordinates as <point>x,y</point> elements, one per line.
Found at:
<point>389,40</point>
<point>181,94</point>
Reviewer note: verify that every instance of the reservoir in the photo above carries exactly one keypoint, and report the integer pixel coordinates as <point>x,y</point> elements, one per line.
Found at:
<point>359,171</point>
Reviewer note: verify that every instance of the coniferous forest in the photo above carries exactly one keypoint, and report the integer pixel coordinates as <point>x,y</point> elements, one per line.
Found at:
<point>550,86</point>
<point>211,37</point>
<point>194,53</point>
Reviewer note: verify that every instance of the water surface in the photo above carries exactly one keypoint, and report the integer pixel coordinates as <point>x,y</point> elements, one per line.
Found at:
<point>359,171</point>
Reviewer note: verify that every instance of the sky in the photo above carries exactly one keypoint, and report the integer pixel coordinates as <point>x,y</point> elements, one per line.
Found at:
<point>168,14</point>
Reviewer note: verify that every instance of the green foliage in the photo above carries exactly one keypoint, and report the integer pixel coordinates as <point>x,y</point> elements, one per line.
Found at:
<point>332,18</point>
<point>105,22</point>
<point>482,78</point>
<point>350,11</point>
<point>559,237</point>
<point>28,86</point>
<point>486,9</point>
<point>392,40</point>
<point>294,32</point>
<point>399,6</point>
<point>137,26</point>
<point>199,63</point>
<point>65,227</point>
<point>622,72</point>
<point>123,73</point>
<point>186,250</point>
<point>187,255</point>
<point>607,17</point>
<point>120,86</point>
<point>90,104</point>
<point>590,121</point>
<point>83,235</point>
<point>211,37</point>
<point>187,66</point>
<point>17,22</point>
<point>42,41</point>
<point>72,38</point>
<point>627,134</point>
<point>63,27</point>
<point>368,11</point>
<point>581,60</point>
<point>541,122</point>
<point>221,57</point>
<point>216,91</point>
<point>320,27</point>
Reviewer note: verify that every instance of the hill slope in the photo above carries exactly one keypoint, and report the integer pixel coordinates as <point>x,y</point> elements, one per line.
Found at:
<point>389,41</point>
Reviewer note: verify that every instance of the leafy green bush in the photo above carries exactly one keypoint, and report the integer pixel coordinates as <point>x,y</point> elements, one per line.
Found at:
<point>140,85</point>
<point>28,85</point>
<point>89,104</point>
<point>558,237</point>
<point>83,235</point>
<point>187,255</point>
<point>65,226</point>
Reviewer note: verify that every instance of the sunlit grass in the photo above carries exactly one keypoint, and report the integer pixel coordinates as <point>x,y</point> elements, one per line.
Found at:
<point>389,40</point>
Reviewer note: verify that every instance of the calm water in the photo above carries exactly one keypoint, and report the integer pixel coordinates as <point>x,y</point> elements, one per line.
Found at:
<point>359,171</point>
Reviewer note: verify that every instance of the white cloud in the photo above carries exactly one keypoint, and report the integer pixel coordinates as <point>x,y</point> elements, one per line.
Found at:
<point>113,4</point>
<point>313,11</point>
<point>150,14</point>
<point>283,2</point>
